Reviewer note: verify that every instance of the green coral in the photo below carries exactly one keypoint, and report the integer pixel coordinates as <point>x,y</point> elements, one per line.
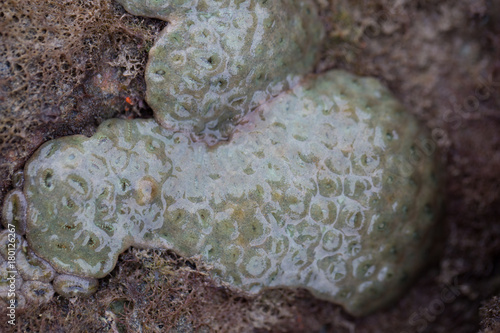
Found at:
<point>310,192</point>
<point>214,64</point>
<point>34,279</point>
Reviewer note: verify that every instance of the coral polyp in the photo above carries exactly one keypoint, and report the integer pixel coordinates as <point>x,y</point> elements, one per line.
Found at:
<point>310,192</point>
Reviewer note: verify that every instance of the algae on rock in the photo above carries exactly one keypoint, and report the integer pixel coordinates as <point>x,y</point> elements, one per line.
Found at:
<point>309,193</point>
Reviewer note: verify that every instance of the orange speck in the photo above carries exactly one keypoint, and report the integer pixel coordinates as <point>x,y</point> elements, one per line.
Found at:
<point>129,100</point>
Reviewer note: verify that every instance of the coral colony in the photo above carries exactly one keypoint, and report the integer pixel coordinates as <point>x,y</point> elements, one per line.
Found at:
<point>275,177</point>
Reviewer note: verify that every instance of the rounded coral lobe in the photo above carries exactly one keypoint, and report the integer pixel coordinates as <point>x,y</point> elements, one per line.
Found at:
<point>71,286</point>
<point>101,188</point>
<point>14,211</point>
<point>208,70</point>
<point>326,187</point>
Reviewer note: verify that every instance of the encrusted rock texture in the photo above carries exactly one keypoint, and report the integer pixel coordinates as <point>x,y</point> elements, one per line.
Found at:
<point>441,60</point>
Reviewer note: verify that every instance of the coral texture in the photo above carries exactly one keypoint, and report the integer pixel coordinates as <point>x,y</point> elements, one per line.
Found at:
<point>217,61</point>
<point>314,190</point>
<point>26,278</point>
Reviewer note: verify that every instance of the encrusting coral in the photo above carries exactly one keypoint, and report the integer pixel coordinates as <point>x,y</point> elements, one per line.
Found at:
<point>310,193</point>
<point>324,186</point>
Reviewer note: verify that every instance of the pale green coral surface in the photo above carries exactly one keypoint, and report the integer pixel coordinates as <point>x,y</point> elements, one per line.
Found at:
<point>313,191</point>
<point>218,60</point>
